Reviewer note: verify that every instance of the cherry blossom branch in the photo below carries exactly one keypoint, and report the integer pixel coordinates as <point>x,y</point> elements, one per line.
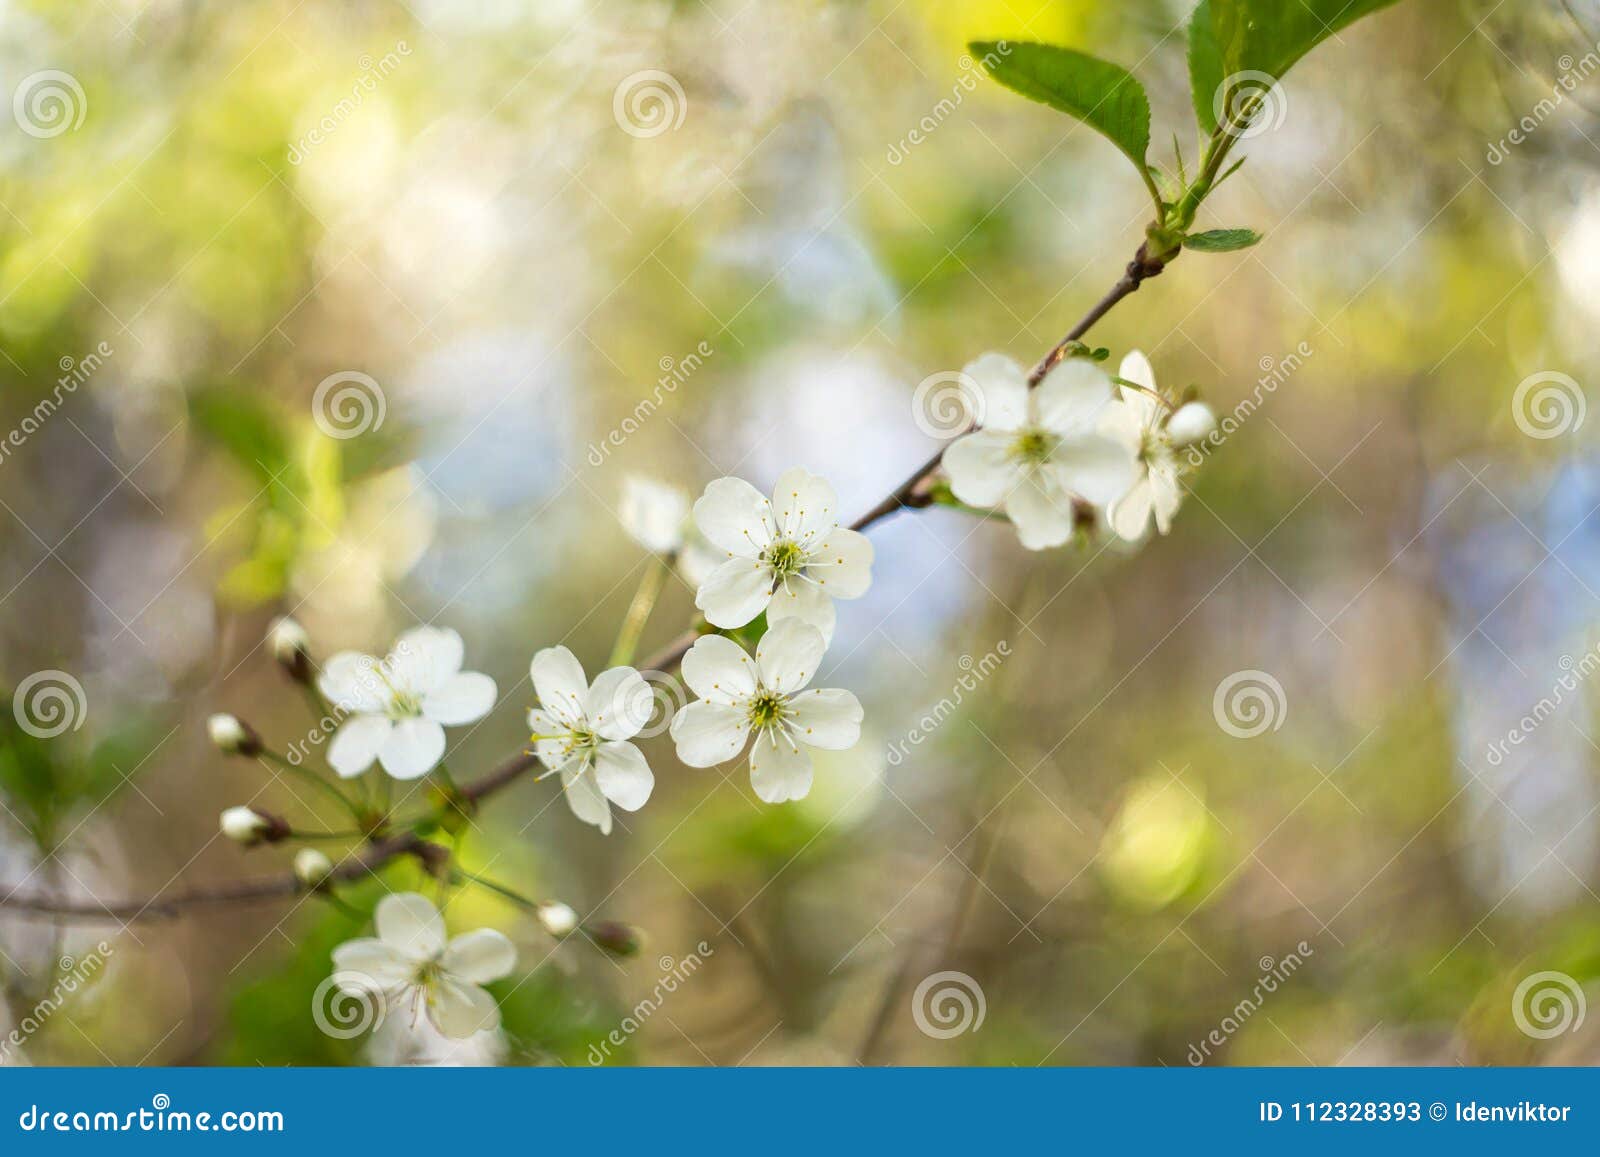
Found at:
<point>909,495</point>
<point>159,906</point>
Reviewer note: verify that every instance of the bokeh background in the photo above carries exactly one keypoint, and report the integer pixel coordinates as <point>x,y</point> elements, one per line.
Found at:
<point>1395,546</point>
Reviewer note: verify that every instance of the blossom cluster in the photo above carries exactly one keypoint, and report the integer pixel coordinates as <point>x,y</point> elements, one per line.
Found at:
<point>1078,437</point>
<point>766,570</point>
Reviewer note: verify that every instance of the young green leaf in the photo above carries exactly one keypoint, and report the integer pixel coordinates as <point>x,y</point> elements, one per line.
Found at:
<point>1205,67</point>
<point>1102,95</point>
<point>1266,37</point>
<point>1221,240</point>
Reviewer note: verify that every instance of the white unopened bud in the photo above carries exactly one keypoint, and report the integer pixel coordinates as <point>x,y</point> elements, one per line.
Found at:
<point>1192,422</point>
<point>654,514</point>
<point>557,918</point>
<point>311,867</point>
<point>291,647</point>
<point>231,736</point>
<point>245,826</point>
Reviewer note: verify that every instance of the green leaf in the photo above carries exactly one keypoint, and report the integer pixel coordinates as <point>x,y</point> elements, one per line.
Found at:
<point>1102,95</point>
<point>1221,240</point>
<point>1266,37</point>
<point>243,424</point>
<point>1205,67</point>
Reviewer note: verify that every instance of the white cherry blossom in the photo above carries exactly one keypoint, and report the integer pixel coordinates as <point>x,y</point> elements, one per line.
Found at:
<point>1039,448</point>
<point>410,963</point>
<point>398,707</point>
<point>787,555</point>
<point>581,731</point>
<point>656,516</point>
<point>1143,422</point>
<point>653,514</point>
<point>767,696</point>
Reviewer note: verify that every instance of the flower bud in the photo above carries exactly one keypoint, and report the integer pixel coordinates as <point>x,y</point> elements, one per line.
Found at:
<point>616,938</point>
<point>1192,422</point>
<point>557,918</point>
<point>311,867</point>
<point>232,736</point>
<point>291,647</point>
<point>245,825</point>
<point>653,514</point>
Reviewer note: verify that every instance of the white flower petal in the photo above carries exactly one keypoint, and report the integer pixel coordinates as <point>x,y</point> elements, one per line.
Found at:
<point>1039,510</point>
<point>458,1010</point>
<point>788,654</point>
<point>1094,468</point>
<point>350,682</point>
<point>1130,514</point>
<point>560,683</point>
<point>1069,399</point>
<point>717,669</point>
<point>424,658</point>
<point>653,514</point>
<point>1123,423</point>
<point>357,743</point>
<point>1136,368</point>
<point>841,564</point>
<point>698,559</point>
<point>377,966</point>
<point>803,505</point>
<point>1192,422</point>
<point>413,749</point>
<point>709,733</point>
<point>479,957</point>
<point>804,602</point>
<point>780,770</point>
<point>736,592</point>
<point>734,516</point>
<point>409,924</point>
<point>825,717</point>
<point>583,794</point>
<point>1166,494</point>
<point>1004,387</point>
<point>981,468</point>
<point>623,775</point>
<point>463,698</point>
<point>619,703</point>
